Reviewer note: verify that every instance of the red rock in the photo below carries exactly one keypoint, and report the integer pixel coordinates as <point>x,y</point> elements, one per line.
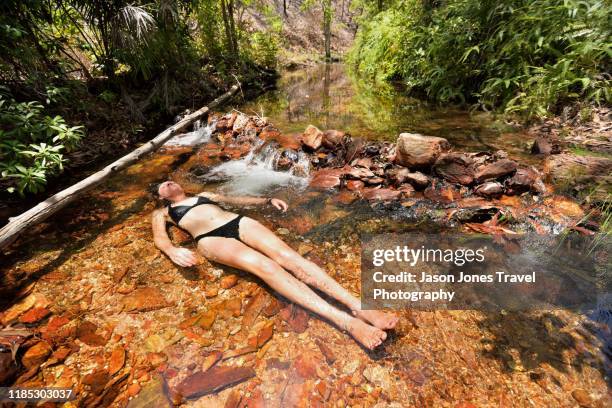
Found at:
<point>525,179</point>
<point>382,194</point>
<point>228,281</point>
<point>256,400</point>
<point>234,305</point>
<point>541,146</point>
<point>327,352</point>
<point>86,332</point>
<point>272,308</point>
<point>359,173</point>
<point>144,299</point>
<point>61,353</point>
<point>96,381</point>
<point>417,151</point>
<point>213,380</point>
<point>325,179</point>
<point>36,355</point>
<point>211,359</point>
<point>345,197</point>
<point>489,189</point>
<point>455,167</point>
<point>239,352</point>
<point>333,138</point>
<point>407,190</point>
<point>354,185</point>
<point>362,162</point>
<point>265,334</point>
<point>133,389</point>
<point>495,170</point>
<point>312,137</point>
<point>253,308</point>
<point>465,404</point>
<point>306,366</point>
<point>296,318</point>
<point>233,399</point>
<point>156,359</point>
<point>55,330</point>
<point>372,181</point>
<point>34,315</point>
<point>117,360</point>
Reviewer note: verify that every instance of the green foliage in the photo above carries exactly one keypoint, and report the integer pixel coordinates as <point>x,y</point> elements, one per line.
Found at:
<point>525,57</point>
<point>32,144</point>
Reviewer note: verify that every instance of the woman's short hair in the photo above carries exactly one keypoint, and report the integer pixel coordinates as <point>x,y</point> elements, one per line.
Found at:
<point>153,189</point>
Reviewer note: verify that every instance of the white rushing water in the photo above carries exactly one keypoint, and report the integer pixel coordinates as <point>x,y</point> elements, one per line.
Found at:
<point>255,173</point>
<point>199,135</point>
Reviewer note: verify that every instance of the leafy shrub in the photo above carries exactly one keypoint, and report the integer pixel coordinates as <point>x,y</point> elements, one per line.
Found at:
<point>32,143</point>
<point>528,57</point>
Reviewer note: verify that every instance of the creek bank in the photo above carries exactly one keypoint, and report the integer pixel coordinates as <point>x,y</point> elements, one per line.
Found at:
<point>577,151</point>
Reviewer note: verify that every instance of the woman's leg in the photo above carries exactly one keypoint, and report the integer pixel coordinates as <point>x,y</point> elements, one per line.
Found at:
<point>232,252</point>
<point>256,235</point>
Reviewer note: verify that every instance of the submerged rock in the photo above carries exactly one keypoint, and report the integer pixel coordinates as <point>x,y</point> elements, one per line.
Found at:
<point>417,151</point>
<point>213,380</point>
<point>144,299</point>
<point>152,395</point>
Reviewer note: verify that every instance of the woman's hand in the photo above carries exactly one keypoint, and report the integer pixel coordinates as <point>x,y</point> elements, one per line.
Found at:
<point>182,256</point>
<point>280,204</point>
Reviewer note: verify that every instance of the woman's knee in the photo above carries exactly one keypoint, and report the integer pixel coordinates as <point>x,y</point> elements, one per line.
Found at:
<point>266,267</point>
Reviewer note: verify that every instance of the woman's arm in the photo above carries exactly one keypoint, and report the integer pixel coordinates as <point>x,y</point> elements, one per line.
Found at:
<point>180,256</point>
<point>245,200</point>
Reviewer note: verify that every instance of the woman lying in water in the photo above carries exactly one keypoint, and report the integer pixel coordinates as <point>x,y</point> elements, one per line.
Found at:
<point>244,243</point>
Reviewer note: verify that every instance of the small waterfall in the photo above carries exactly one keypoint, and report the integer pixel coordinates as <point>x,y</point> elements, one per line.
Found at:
<point>200,134</point>
<point>256,173</point>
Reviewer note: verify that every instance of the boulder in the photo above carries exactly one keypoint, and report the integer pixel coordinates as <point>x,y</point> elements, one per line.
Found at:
<point>455,167</point>
<point>541,146</point>
<point>417,151</point>
<point>495,170</point>
<point>489,189</point>
<point>418,180</point>
<point>380,194</point>
<point>525,179</point>
<point>333,138</point>
<point>312,137</point>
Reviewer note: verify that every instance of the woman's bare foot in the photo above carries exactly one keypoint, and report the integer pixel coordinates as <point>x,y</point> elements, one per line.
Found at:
<point>367,335</point>
<point>378,318</point>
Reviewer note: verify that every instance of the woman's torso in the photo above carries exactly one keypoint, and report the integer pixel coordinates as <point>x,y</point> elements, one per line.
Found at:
<point>202,218</point>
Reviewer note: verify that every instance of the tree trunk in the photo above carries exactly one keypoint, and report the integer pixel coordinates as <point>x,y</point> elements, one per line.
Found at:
<point>229,43</point>
<point>327,17</point>
<point>20,224</point>
<point>230,12</point>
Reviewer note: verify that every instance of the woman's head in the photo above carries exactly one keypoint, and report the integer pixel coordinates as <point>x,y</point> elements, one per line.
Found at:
<point>169,190</point>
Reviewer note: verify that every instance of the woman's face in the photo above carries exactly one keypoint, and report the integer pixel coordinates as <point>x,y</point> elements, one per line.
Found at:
<point>168,189</point>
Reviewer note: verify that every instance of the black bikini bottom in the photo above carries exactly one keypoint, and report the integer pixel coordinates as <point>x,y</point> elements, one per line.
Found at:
<point>227,230</point>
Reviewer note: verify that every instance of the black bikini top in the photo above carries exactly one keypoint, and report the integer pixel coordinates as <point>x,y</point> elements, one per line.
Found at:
<point>178,212</point>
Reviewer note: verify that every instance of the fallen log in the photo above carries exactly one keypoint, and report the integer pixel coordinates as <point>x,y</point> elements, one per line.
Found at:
<point>19,224</point>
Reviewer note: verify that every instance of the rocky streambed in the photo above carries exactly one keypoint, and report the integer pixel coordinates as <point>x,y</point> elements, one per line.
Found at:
<point>92,305</point>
